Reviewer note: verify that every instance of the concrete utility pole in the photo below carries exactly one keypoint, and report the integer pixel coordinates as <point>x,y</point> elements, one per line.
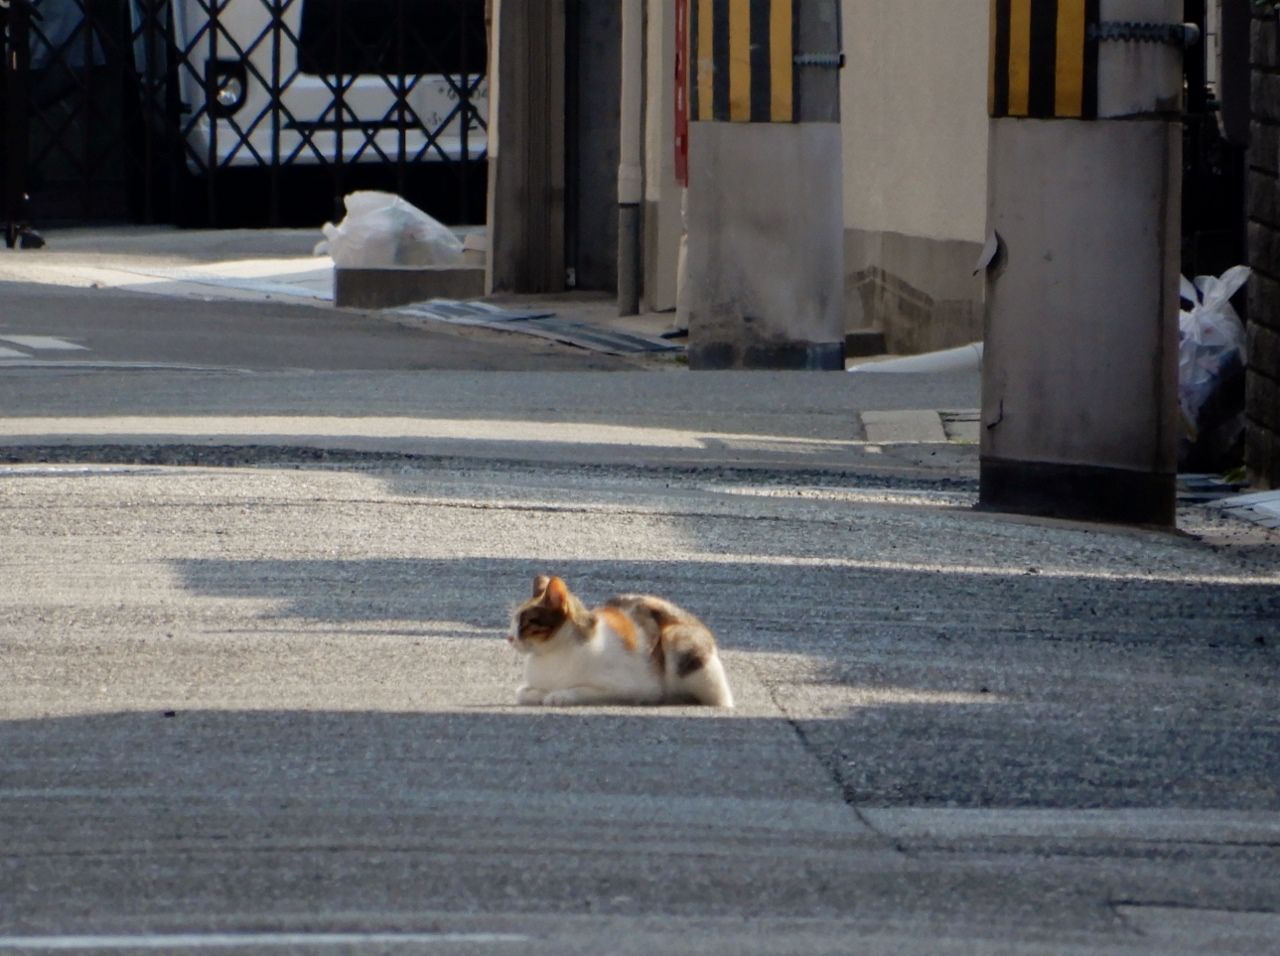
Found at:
<point>631,158</point>
<point>765,277</point>
<point>526,146</point>
<point>1079,400</point>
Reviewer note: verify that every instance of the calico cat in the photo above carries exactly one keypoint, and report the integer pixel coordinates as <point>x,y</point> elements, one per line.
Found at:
<point>634,649</point>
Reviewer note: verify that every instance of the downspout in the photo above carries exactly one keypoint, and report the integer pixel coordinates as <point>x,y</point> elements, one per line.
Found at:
<point>630,170</point>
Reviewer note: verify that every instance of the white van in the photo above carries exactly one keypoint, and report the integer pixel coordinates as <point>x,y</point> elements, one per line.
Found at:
<point>263,85</point>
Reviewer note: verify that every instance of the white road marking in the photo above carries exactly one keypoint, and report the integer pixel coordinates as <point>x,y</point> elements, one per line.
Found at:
<point>43,343</point>
<point>29,361</point>
<point>183,941</point>
<point>12,354</point>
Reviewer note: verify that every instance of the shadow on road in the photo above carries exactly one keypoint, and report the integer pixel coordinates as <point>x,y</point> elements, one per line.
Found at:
<point>775,604</point>
<point>910,688</point>
<point>208,816</point>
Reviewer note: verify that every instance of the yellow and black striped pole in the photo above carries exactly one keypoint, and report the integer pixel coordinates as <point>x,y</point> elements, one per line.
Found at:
<point>1080,359</point>
<point>1044,59</point>
<point>743,54</point>
<point>764,279</point>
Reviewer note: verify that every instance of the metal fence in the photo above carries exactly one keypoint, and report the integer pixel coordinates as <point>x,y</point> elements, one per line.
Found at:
<point>155,110</point>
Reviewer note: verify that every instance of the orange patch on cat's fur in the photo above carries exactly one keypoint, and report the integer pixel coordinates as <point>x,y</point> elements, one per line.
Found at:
<point>621,625</point>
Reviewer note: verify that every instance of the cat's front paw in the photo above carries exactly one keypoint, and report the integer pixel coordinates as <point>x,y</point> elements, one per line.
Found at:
<point>530,695</point>
<point>562,698</point>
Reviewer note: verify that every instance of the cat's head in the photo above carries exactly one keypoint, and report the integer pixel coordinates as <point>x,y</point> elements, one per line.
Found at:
<point>546,614</point>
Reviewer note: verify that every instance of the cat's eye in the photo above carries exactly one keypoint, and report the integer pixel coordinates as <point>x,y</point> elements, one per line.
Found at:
<point>537,617</point>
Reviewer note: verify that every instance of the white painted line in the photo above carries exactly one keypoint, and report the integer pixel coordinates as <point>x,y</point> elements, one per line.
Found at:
<point>43,343</point>
<point>28,361</point>
<point>184,941</point>
<point>12,354</point>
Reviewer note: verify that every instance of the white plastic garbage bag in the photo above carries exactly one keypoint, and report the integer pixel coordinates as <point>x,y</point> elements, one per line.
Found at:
<point>383,231</point>
<point>1211,360</point>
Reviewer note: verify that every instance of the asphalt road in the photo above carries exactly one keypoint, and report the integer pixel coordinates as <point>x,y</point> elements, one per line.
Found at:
<point>94,369</point>
<point>254,695</point>
<point>275,704</point>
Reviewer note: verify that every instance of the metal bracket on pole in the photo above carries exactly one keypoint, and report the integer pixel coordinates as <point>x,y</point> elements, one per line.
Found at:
<point>1129,31</point>
<point>831,61</point>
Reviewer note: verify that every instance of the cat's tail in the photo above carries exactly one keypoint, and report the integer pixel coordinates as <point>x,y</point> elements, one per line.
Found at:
<point>709,685</point>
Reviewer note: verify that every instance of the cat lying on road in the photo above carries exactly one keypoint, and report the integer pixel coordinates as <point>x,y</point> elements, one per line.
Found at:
<point>634,649</point>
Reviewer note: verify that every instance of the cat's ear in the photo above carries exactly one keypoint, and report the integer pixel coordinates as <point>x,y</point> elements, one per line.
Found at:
<point>540,584</point>
<point>557,595</point>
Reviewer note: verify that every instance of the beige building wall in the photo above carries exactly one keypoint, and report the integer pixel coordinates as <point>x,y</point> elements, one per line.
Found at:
<point>914,110</point>
<point>914,118</point>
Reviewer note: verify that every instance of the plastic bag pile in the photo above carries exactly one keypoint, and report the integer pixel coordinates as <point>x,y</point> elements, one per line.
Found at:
<point>383,231</point>
<point>1211,364</point>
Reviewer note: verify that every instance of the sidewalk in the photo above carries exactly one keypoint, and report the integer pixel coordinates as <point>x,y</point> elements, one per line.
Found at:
<point>279,265</point>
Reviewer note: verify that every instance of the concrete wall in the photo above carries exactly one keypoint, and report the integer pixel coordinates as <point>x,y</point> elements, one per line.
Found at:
<point>913,100</point>
<point>1263,384</point>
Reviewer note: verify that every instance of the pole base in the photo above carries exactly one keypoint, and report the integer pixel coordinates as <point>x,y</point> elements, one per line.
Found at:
<point>795,356</point>
<point>1078,492</point>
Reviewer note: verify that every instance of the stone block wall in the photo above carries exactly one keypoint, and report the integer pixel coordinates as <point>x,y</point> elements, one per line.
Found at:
<point>1263,384</point>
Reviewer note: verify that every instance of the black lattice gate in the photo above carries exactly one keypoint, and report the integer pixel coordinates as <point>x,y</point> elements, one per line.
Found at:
<point>244,111</point>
